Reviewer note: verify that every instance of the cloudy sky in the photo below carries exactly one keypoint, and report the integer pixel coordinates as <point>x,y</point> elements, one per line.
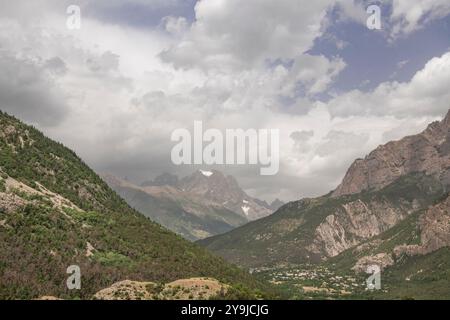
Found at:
<point>115,89</point>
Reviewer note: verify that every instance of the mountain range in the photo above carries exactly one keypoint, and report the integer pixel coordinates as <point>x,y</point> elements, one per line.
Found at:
<point>391,209</point>
<point>200,205</point>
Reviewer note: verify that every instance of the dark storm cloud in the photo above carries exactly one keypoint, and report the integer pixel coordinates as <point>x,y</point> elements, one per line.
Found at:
<point>28,91</point>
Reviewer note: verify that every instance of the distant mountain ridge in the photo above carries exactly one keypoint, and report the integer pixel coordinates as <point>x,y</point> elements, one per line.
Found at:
<point>197,206</point>
<point>165,179</point>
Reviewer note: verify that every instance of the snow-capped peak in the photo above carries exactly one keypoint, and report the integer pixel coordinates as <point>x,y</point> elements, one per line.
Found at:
<point>206,173</point>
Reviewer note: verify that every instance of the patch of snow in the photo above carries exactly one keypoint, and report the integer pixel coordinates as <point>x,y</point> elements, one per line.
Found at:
<point>245,201</point>
<point>206,173</point>
<point>245,209</point>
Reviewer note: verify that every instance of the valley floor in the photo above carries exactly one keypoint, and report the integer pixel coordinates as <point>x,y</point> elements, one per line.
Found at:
<point>421,278</point>
<point>312,282</point>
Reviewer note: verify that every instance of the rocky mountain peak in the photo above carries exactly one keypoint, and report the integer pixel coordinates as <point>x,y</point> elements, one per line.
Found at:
<point>206,188</point>
<point>225,190</point>
<point>211,184</point>
<point>427,152</point>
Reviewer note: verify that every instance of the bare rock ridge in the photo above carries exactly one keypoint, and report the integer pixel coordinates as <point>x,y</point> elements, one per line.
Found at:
<point>427,152</point>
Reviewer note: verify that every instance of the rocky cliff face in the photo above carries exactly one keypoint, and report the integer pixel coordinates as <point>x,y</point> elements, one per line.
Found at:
<point>395,183</point>
<point>427,152</point>
<point>434,228</point>
<point>355,222</point>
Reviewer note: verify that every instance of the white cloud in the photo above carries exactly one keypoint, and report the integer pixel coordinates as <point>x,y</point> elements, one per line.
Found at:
<point>426,94</point>
<point>409,16</point>
<point>316,73</point>
<point>352,10</point>
<point>234,34</point>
